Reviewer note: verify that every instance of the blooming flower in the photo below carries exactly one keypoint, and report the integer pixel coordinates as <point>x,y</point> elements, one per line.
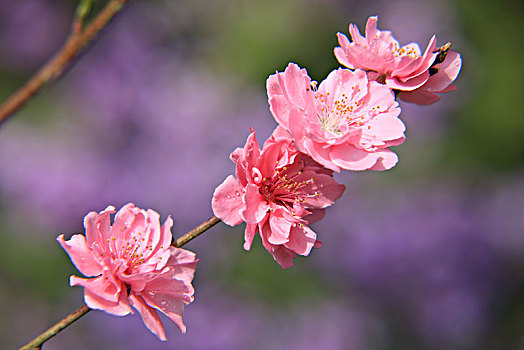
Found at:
<point>277,191</point>
<point>348,123</point>
<point>401,68</point>
<point>133,264</point>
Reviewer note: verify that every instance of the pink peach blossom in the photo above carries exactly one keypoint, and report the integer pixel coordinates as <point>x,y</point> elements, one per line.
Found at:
<point>277,191</point>
<point>403,68</point>
<point>131,263</point>
<point>440,80</point>
<point>347,123</point>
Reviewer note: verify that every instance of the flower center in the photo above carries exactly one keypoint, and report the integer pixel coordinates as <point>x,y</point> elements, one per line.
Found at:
<point>337,117</point>
<point>403,51</point>
<point>286,188</point>
<point>133,250</point>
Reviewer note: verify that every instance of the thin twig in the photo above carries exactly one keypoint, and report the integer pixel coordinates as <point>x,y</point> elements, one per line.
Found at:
<point>54,68</point>
<point>51,332</point>
<point>81,311</point>
<point>197,231</point>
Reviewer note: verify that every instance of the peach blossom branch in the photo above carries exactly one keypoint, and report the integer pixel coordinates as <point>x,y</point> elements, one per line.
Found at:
<point>57,66</point>
<point>81,311</point>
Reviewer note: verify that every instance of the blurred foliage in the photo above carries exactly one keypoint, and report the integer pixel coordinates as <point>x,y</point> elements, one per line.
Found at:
<point>489,131</point>
<point>256,38</point>
<point>38,271</point>
<point>256,274</point>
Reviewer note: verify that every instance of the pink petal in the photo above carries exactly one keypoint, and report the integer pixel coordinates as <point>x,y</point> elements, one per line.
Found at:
<point>98,226</point>
<point>81,256</point>
<point>446,74</point>
<point>91,229</point>
<point>325,189</point>
<point>103,294</point>
<point>301,240</point>
<point>385,127</point>
<point>280,109</point>
<point>419,97</point>
<point>166,237</point>
<point>280,227</point>
<point>105,286</point>
<point>407,84</point>
<point>340,52</point>
<point>386,160</point>
<point>184,263</point>
<point>249,234</point>
<point>256,205</point>
<point>149,316</point>
<point>295,83</point>
<point>371,27</point>
<point>350,158</point>
<point>356,37</point>
<point>227,201</point>
<point>171,306</point>
<point>283,256</point>
<point>121,308</point>
<point>315,216</point>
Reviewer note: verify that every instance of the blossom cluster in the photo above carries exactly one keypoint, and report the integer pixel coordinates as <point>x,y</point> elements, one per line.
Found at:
<point>349,121</point>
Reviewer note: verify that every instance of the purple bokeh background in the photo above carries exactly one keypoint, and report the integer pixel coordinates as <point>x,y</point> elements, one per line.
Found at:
<point>422,256</point>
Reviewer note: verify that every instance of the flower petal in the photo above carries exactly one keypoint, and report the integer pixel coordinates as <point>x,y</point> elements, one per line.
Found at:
<point>256,205</point>
<point>283,256</point>
<point>280,227</point>
<point>301,239</point>
<point>350,158</point>
<point>149,316</point>
<point>249,234</point>
<point>171,306</point>
<point>82,257</point>
<point>102,294</point>
<point>227,201</point>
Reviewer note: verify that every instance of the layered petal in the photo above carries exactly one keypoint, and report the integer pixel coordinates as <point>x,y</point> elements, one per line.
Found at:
<point>149,316</point>
<point>227,201</point>
<point>81,256</point>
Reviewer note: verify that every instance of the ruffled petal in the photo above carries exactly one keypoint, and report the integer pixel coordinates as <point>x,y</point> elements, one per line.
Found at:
<point>386,160</point>
<point>249,234</point>
<point>283,256</point>
<point>447,72</point>
<point>280,227</point>
<point>350,158</point>
<point>149,316</point>
<point>301,240</point>
<point>227,201</point>
<point>419,97</point>
<point>256,206</point>
<point>81,256</point>
<point>103,294</point>
<point>105,286</point>
<point>171,306</point>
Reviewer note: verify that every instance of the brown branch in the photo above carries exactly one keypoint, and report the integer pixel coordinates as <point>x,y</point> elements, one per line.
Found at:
<point>51,332</point>
<point>197,231</point>
<point>81,311</point>
<point>54,68</point>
